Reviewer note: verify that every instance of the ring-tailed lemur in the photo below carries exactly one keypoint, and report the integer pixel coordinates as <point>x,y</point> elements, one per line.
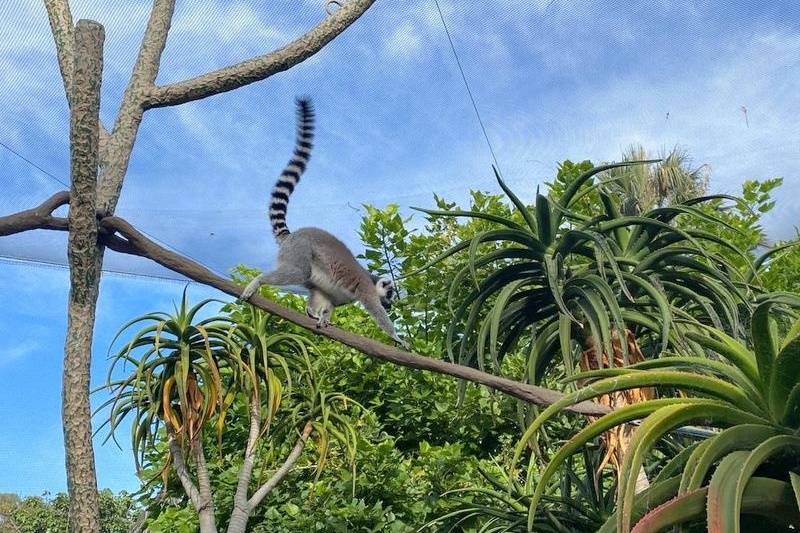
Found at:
<point>313,257</point>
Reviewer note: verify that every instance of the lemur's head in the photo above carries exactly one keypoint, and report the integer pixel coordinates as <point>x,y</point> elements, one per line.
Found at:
<point>386,291</point>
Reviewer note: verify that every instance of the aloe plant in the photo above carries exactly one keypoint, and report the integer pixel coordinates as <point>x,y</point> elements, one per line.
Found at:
<point>584,501</point>
<point>750,394</point>
<point>550,275</point>
<point>189,375</point>
<point>551,281</point>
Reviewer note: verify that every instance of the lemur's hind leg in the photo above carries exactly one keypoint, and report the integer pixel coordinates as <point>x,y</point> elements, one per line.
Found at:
<point>279,277</point>
<point>294,268</point>
<point>320,308</point>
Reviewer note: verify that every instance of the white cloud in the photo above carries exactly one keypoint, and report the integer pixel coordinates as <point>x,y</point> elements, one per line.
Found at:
<point>225,23</point>
<point>213,34</point>
<point>24,349</point>
<point>403,42</point>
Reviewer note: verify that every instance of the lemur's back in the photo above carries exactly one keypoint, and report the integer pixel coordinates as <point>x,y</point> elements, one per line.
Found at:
<point>333,268</point>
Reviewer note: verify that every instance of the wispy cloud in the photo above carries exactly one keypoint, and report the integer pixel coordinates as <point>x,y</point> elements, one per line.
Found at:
<point>238,31</point>
<point>403,42</point>
<point>20,351</point>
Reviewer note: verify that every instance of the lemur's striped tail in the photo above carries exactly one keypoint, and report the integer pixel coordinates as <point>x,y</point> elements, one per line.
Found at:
<point>294,169</point>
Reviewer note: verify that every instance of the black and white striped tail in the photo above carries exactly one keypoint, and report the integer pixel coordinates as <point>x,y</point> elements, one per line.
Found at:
<point>294,169</point>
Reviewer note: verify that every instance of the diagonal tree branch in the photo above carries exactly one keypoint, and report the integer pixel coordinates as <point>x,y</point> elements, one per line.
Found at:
<point>261,67</point>
<point>138,244</point>
<point>60,17</point>
<point>118,235</point>
<point>155,39</point>
<point>130,241</point>
<point>284,469</point>
<point>205,511</point>
<point>116,152</point>
<point>199,493</point>
<point>240,503</point>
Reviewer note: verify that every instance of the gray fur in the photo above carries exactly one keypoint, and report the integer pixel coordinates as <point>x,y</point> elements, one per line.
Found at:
<point>314,258</point>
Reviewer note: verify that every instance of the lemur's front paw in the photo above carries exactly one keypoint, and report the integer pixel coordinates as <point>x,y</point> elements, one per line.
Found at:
<point>403,344</point>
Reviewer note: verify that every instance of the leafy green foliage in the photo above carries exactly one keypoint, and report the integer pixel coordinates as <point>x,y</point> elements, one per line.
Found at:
<point>196,380</point>
<point>742,221</point>
<point>407,458</point>
<point>173,520</point>
<point>692,276</point>
<point>44,514</point>
<point>584,501</point>
<point>389,491</point>
<point>430,451</point>
<point>418,406</point>
<point>177,379</point>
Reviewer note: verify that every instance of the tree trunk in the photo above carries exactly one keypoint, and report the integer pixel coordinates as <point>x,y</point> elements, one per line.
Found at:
<point>205,510</point>
<point>616,441</point>
<point>85,258</point>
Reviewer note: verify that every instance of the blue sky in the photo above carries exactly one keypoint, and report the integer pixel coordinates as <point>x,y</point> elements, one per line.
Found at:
<point>552,80</point>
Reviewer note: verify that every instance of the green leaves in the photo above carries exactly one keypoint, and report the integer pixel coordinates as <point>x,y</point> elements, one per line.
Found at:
<point>176,378</point>
<point>625,251</point>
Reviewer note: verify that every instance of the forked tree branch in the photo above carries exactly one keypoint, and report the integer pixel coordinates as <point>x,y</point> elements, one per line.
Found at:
<point>142,94</point>
<point>261,67</point>
<point>179,462</point>
<point>284,469</point>
<point>116,152</point>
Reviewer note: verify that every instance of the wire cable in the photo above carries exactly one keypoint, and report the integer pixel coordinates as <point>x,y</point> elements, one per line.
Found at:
<point>51,265</point>
<point>466,84</point>
<point>34,165</point>
<point>152,238</point>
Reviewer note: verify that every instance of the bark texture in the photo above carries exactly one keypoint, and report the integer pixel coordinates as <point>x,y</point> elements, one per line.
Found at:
<point>242,505</point>
<point>85,262</point>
